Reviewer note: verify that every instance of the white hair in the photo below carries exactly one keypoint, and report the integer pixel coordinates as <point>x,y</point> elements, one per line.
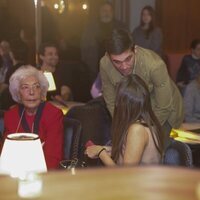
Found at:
<point>22,73</point>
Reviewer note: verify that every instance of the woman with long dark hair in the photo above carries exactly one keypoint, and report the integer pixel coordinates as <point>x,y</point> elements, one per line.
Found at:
<point>136,133</point>
<point>147,34</point>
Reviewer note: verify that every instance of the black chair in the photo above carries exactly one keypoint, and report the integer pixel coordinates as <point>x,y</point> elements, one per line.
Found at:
<point>72,131</point>
<point>95,122</point>
<point>179,154</point>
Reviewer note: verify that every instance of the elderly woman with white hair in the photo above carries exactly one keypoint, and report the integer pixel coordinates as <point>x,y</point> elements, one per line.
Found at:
<point>28,87</point>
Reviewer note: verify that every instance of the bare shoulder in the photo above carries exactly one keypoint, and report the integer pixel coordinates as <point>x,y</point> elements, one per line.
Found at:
<point>136,127</point>
<point>137,130</point>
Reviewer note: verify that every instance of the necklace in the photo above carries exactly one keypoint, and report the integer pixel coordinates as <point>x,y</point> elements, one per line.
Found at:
<point>34,127</point>
<point>20,121</point>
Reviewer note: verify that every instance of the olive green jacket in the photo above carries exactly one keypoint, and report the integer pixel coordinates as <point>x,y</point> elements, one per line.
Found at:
<point>166,99</point>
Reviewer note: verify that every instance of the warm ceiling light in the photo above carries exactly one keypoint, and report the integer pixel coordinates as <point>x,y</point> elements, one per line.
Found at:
<point>85,6</point>
<point>35,2</point>
<point>56,6</point>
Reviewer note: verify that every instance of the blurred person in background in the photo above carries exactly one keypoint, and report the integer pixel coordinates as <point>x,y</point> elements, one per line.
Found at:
<point>6,61</point>
<point>18,55</point>
<point>147,34</point>
<point>94,36</point>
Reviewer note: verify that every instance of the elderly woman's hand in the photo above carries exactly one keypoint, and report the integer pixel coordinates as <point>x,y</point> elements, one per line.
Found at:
<point>93,151</point>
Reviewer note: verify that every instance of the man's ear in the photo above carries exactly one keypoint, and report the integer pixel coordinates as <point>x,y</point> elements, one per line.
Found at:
<point>107,54</point>
<point>135,49</point>
<point>41,57</point>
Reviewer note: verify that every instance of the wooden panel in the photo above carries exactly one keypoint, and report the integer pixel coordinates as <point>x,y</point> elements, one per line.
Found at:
<point>193,19</point>
<point>179,21</point>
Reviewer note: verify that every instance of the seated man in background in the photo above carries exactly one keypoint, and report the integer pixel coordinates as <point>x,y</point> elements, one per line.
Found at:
<point>192,101</point>
<point>28,87</point>
<point>190,66</point>
<point>48,54</point>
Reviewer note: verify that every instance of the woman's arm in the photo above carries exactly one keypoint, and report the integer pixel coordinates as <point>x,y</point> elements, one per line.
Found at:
<point>96,151</point>
<point>137,139</point>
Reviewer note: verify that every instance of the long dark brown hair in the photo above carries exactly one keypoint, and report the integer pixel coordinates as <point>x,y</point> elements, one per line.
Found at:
<point>133,104</point>
<point>152,24</point>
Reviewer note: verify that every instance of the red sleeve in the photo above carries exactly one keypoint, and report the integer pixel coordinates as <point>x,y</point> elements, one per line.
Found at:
<point>53,146</point>
<point>6,122</point>
<point>11,119</point>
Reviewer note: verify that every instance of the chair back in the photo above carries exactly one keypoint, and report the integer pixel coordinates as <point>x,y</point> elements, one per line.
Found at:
<point>72,132</point>
<point>179,154</point>
<point>95,122</point>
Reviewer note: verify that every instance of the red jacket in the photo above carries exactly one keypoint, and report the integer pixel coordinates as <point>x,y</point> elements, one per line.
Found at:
<point>50,131</point>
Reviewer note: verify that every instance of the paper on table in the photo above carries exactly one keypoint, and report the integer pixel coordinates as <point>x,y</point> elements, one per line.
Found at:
<point>188,141</point>
<point>185,135</point>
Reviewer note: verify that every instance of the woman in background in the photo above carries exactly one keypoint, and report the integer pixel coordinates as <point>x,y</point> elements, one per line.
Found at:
<point>147,34</point>
<point>136,133</point>
<point>192,101</point>
<point>28,87</point>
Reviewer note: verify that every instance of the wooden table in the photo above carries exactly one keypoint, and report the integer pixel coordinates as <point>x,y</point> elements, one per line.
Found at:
<point>139,183</point>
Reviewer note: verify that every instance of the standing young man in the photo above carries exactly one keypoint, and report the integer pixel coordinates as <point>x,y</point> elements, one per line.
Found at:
<point>123,58</point>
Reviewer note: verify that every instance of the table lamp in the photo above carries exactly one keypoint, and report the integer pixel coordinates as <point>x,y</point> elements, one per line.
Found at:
<point>50,79</point>
<point>22,153</point>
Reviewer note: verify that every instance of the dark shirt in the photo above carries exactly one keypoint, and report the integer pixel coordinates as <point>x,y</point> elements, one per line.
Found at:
<point>62,76</point>
<point>189,69</point>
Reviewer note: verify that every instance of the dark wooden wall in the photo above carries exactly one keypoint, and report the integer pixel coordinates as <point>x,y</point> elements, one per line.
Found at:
<point>180,22</point>
<point>17,15</point>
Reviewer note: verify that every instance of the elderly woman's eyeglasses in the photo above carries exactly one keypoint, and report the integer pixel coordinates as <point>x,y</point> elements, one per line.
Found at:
<point>27,88</point>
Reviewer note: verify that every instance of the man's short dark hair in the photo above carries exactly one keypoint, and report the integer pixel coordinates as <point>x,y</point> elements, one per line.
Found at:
<point>119,41</point>
<point>194,43</point>
<point>106,2</point>
<point>45,45</point>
